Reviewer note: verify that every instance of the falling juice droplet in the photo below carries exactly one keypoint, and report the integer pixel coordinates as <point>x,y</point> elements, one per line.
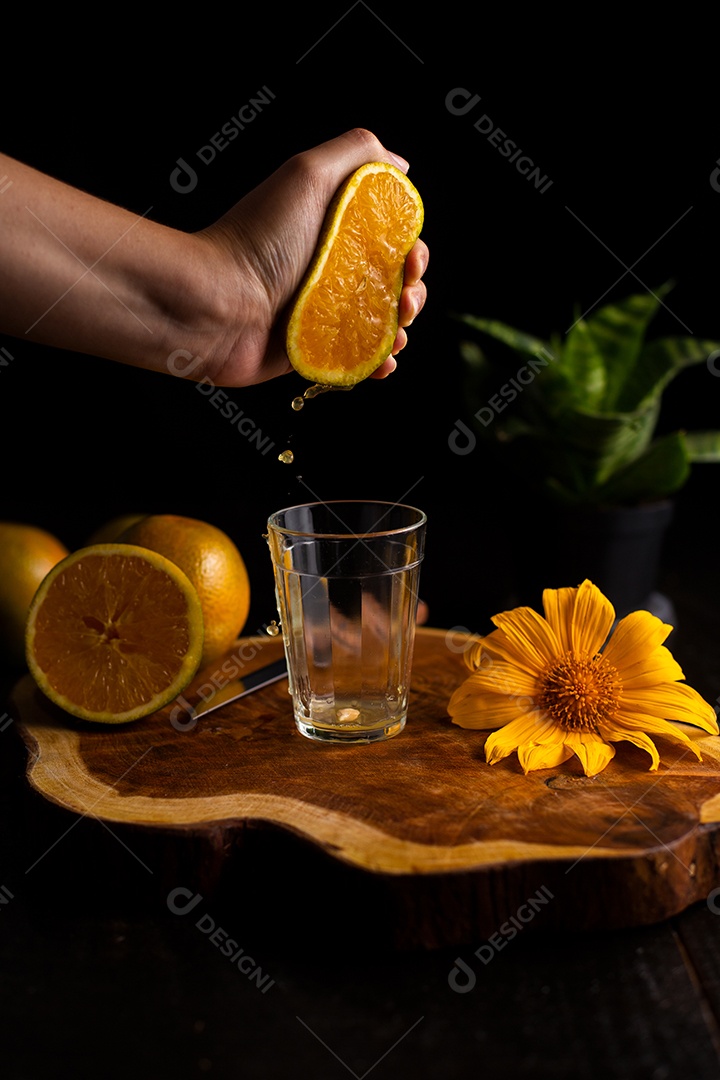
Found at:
<point>272,628</point>
<point>287,457</point>
<point>313,391</point>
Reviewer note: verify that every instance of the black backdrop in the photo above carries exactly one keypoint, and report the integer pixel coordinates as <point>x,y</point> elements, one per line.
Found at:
<point>619,122</point>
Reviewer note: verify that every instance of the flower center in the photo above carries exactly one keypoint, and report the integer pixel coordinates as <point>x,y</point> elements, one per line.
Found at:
<point>579,691</point>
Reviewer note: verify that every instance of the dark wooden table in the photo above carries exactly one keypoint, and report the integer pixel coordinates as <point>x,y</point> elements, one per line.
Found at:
<point>111,966</point>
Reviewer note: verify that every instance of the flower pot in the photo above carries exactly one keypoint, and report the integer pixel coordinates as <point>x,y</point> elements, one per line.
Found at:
<point>618,548</point>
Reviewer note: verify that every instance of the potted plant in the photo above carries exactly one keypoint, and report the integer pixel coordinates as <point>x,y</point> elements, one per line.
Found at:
<point>575,421</point>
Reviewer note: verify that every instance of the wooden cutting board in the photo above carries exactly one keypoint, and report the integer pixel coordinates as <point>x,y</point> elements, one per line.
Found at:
<point>453,847</point>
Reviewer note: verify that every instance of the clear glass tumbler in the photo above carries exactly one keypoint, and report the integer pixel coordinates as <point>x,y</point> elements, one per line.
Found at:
<point>346,581</point>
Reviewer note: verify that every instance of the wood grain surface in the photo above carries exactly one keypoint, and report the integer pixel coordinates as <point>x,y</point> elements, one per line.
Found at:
<point>464,845</point>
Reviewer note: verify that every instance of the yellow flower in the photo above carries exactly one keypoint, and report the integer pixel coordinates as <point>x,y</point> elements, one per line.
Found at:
<point>558,686</point>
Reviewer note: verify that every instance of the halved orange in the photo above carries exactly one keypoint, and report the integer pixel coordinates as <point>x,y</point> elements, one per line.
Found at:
<point>114,633</point>
<point>344,318</point>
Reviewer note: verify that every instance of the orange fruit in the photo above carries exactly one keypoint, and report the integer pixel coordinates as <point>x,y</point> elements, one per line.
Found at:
<point>114,633</point>
<point>213,564</point>
<point>344,319</point>
<point>110,530</point>
<point>27,554</point>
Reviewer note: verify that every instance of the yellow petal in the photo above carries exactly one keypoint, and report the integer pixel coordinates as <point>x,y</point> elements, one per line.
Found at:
<point>499,649</point>
<point>631,725</point>
<point>476,704</point>
<point>634,638</point>
<point>592,619</point>
<point>659,667</point>
<point>670,701</point>
<point>524,638</point>
<point>483,711</point>
<point>594,753</point>
<point>558,605</point>
<point>535,727</point>
<point>473,654</point>
<point>638,738</point>
<point>502,678</point>
<point>542,755</point>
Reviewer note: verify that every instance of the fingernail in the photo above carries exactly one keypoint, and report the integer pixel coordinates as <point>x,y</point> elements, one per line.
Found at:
<point>399,161</point>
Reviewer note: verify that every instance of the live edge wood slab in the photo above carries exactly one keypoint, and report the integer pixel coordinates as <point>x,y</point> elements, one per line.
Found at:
<point>418,829</point>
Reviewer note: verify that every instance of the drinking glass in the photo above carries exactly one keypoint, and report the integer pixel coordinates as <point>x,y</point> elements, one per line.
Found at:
<point>346,582</point>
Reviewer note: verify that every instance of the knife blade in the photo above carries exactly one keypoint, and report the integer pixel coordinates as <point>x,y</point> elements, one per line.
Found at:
<point>238,688</point>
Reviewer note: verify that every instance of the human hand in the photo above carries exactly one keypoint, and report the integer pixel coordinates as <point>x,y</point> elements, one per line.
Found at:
<point>82,274</point>
<point>260,249</point>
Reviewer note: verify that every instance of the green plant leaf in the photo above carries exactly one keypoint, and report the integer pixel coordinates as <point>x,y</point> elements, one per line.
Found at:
<point>474,357</point>
<point>660,471</point>
<point>618,331</point>
<point>583,366</point>
<point>582,411</point>
<point>703,446</point>
<point>514,339</point>
<point>659,363</point>
<point>537,361</point>
<point>604,442</point>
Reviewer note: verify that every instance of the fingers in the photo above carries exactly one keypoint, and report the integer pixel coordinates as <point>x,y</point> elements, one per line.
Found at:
<point>414,292</point>
<point>327,165</point>
<point>412,301</point>
<point>330,163</point>
<point>361,142</point>
<point>416,263</point>
<point>386,368</point>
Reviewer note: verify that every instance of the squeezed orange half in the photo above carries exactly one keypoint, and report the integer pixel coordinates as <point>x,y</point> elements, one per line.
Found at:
<point>344,319</point>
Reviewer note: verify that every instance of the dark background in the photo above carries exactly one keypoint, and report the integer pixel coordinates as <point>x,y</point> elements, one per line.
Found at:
<point>99,981</point>
<point>625,134</point>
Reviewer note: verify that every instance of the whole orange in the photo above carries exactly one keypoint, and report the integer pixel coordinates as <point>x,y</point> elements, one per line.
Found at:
<point>27,555</point>
<point>214,566</point>
<point>108,532</point>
